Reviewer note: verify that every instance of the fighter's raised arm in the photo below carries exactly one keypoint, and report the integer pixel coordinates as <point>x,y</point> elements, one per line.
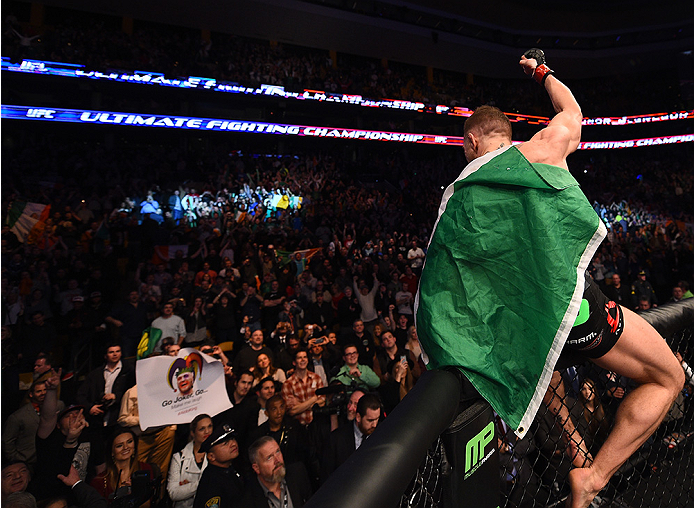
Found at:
<point>561,137</point>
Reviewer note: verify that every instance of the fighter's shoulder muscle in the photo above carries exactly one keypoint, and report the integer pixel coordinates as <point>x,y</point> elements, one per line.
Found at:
<point>549,146</point>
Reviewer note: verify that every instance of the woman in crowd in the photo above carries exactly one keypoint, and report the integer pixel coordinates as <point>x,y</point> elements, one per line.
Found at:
<point>264,368</point>
<point>187,465</point>
<point>121,463</point>
<point>399,383</point>
<point>379,328</point>
<point>593,424</point>
<point>412,343</point>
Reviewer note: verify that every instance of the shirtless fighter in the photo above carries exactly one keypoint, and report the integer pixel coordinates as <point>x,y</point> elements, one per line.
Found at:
<point>618,339</point>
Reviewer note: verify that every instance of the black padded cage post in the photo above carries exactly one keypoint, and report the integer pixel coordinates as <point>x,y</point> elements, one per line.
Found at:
<point>471,447</point>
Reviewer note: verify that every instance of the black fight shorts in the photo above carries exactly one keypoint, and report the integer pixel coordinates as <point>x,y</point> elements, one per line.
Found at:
<point>599,324</point>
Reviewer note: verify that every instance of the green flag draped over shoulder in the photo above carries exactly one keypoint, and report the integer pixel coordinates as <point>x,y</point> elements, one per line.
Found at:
<point>503,278</point>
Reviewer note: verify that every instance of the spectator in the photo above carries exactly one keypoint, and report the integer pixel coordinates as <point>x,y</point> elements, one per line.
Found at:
<point>291,436</point>
<point>19,432</point>
<point>154,444</point>
<point>220,484</point>
<point>349,437</point>
<point>276,484</point>
<point>364,342</point>
<point>244,403</point>
<point>15,477</point>
<point>412,344</point>
<point>319,312</point>
<point>224,318</point>
<point>641,289</point>
<point>273,303</point>
<point>389,352</point>
<point>103,388</point>
<point>366,300</point>
<point>285,355</point>
<point>618,292</point>
<point>299,391</point>
<point>593,425</point>
<point>248,356</point>
<point>279,336</point>
<point>170,325</point>
<point>400,382</point>
<point>129,319</point>
<point>677,294</point>
<point>251,303</point>
<point>21,500</point>
<point>264,369</point>
<point>416,258</point>
<point>188,465</point>
<point>323,355</point>
<point>263,391</point>
<point>206,270</point>
<point>404,300</point>
<point>400,331</point>
<point>351,413</point>
<point>61,440</point>
<point>353,374</point>
<point>684,285</point>
<point>121,464</point>
<point>196,324</point>
<point>348,311</point>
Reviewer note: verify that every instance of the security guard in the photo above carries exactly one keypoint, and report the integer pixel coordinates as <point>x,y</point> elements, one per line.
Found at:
<point>220,485</point>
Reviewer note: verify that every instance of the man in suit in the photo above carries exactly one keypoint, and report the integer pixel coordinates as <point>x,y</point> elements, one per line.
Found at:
<point>102,390</point>
<point>346,439</point>
<point>277,484</point>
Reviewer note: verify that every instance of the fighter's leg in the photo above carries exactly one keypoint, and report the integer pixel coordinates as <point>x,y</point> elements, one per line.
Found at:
<point>642,355</point>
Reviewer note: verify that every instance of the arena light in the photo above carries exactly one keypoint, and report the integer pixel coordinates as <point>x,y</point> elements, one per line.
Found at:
<point>82,116</point>
<point>42,67</point>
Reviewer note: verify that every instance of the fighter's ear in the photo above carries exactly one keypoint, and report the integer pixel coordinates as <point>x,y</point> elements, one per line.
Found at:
<point>472,140</point>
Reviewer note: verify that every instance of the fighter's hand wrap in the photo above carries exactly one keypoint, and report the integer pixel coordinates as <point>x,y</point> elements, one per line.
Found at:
<point>541,71</point>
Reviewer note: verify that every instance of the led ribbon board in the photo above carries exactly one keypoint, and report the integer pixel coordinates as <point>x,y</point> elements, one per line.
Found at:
<point>199,83</point>
<point>221,125</point>
<point>216,124</point>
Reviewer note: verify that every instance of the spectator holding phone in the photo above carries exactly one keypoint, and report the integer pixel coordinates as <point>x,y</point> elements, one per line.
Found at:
<point>122,466</point>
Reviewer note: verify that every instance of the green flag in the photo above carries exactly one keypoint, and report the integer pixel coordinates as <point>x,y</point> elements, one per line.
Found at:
<point>150,338</point>
<point>503,278</point>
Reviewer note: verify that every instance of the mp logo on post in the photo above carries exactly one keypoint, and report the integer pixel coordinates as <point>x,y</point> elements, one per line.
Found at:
<point>474,450</point>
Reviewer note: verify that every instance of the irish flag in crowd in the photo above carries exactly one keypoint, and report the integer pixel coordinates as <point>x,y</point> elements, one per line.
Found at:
<point>163,253</point>
<point>284,257</point>
<point>27,220</point>
<point>503,278</point>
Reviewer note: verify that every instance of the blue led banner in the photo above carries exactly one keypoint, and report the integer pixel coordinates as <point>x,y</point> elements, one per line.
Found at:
<point>224,125</point>
<point>216,124</point>
<point>200,83</point>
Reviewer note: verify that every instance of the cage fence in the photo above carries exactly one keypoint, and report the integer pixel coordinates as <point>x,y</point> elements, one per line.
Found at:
<point>533,471</point>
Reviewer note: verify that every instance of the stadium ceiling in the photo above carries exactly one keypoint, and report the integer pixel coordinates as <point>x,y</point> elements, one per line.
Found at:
<point>580,37</point>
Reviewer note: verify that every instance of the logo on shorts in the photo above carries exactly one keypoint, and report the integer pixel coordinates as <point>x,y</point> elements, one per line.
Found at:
<point>213,502</point>
<point>613,318</point>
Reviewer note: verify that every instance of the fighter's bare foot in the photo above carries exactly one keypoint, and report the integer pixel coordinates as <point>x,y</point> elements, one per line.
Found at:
<point>583,487</point>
